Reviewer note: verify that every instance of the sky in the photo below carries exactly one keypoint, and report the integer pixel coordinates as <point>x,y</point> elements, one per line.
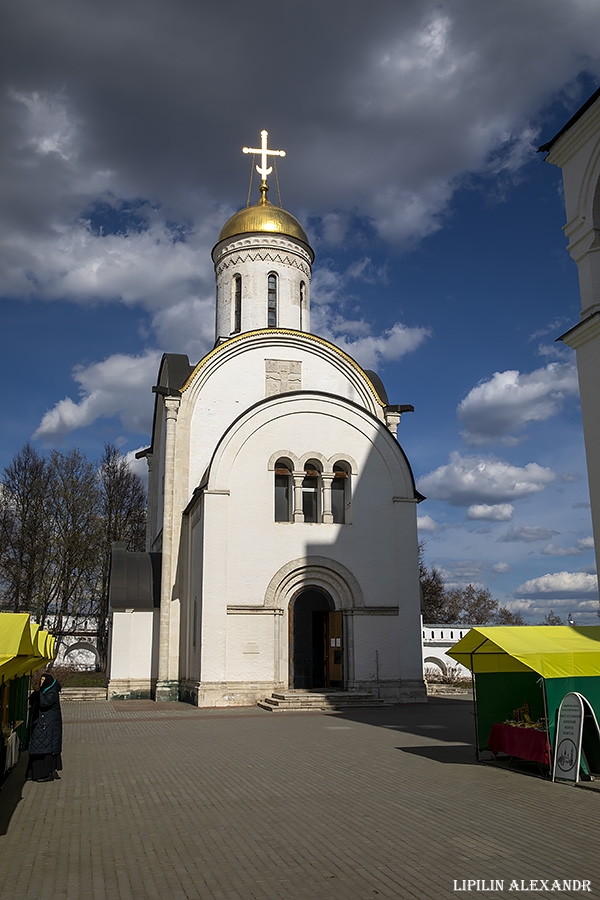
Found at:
<point>411,133</point>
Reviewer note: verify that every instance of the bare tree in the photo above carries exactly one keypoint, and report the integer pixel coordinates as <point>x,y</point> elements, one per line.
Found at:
<point>24,531</point>
<point>459,606</point>
<point>476,606</point>
<point>70,578</point>
<point>58,519</point>
<point>552,618</point>
<point>433,592</point>
<point>123,518</point>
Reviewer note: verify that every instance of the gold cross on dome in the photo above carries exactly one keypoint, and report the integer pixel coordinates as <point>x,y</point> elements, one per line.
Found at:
<point>262,170</point>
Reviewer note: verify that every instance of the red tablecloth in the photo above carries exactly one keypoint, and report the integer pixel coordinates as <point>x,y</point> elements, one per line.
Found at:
<point>526,743</point>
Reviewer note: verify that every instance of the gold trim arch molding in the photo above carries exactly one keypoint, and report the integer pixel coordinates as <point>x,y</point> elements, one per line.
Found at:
<point>318,571</point>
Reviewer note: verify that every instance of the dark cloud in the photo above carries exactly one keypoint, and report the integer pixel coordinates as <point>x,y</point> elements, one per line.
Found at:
<point>384,110</point>
<point>165,94</point>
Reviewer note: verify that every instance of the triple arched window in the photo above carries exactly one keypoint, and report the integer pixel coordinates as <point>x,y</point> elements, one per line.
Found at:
<point>313,492</point>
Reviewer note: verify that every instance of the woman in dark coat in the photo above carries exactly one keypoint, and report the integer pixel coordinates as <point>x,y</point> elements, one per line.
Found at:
<point>45,745</point>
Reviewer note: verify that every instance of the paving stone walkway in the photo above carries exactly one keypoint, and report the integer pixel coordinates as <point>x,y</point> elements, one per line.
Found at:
<point>168,801</point>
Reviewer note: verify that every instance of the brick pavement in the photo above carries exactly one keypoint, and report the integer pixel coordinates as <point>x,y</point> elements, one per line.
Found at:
<point>167,801</point>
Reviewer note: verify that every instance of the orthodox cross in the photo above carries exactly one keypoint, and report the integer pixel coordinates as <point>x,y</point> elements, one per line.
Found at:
<point>262,169</point>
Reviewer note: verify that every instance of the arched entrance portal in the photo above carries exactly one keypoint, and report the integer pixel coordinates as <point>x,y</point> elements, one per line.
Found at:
<point>316,654</point>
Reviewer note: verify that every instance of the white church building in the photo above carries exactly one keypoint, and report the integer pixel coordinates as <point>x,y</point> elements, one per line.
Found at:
<point>282,538</point>
<point>576,151</point>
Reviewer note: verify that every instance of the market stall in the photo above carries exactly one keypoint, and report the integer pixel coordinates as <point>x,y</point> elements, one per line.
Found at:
<point>24,648</point>
<point>521,674</point>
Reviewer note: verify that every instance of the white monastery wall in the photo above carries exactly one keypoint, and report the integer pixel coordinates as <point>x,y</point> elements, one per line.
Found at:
<point>437,640</point>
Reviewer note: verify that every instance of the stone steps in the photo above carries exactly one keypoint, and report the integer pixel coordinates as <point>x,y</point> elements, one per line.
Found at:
<point>83,693</point>
<point>306,701</point>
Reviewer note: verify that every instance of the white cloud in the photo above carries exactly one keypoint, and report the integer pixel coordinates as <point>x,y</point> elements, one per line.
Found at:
<point>118,385</point>
<point>149,267</point>
<point>510,400</point>
<point>475,480</point>
<point>458,573</point>
<point>186,327</point>
<point>372,351</point>
<point>560,585</point>
<point>334,228</point>
<point>501,568</point>
<point>48,128</point>
<point>554,328</point>
<point>499,512</point>
<point>333,307</point>
<point>570,477</point>
<point>138,466</point>
<point>427,525</point>
<point>582,547</point>
<point>527,534</point>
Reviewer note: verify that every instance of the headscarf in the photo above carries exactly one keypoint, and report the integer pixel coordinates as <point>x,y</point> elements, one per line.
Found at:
<point>46,687</point>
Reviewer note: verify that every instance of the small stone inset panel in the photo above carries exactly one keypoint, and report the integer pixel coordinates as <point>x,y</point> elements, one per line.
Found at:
<point>282,375</point>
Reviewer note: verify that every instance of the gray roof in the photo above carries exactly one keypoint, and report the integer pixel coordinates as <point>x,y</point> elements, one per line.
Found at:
<point>545,148</point>
<point>377,384</point>
<point>134,579</point>
<point>178,369</point>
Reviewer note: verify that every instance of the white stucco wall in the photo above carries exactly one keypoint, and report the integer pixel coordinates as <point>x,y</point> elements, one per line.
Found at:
<point>244,548</point>
<point>254,257</point>
<point>577,153</point>
<point>235,379</point>
<point>134,645</point>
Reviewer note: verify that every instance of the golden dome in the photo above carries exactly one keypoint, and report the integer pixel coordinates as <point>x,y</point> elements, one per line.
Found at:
<point>263,216</point>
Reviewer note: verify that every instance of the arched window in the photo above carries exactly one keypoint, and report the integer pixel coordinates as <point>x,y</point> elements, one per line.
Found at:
<point>237,303</point>
<point>302,301</point>
<point>283,491</point>
<point>339,493</point>
<point>272,301</point>
<point>311,493</point>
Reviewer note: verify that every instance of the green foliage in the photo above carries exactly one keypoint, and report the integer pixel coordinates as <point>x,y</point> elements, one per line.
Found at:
<point>71,677</point>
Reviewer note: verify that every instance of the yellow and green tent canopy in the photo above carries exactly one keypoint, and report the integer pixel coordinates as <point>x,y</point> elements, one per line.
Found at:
<point>23,646</point>
<point>551,651</point>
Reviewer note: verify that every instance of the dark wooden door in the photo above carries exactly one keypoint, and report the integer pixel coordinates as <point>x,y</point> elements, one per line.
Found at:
<point>334,654</point>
